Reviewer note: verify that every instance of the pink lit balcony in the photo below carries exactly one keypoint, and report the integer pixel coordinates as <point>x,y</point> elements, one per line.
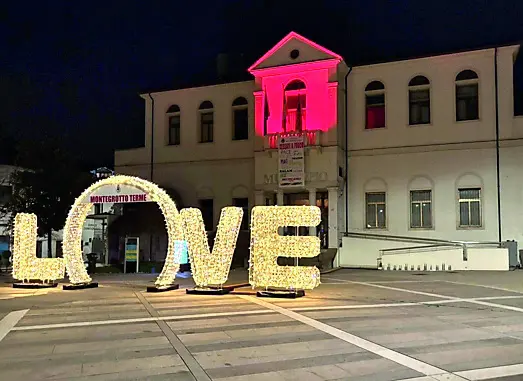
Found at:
<point>312,138</point>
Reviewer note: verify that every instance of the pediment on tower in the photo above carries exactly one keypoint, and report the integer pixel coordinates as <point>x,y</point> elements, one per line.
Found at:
<point>293,49</point>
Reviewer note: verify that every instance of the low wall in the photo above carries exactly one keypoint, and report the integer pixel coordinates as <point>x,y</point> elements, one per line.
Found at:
<point>493,259</point>
<point>363,253</point>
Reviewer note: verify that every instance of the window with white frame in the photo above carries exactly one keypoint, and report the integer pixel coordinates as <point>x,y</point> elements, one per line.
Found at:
<point>240,115</point>
<point>376,215</point>
<point>173,115</point>
<point>206,122</point>
<point>421,209</point>
<point>419,100</point>
<point>467,96</point>
<point>469,207</point>
<point>374,105</point>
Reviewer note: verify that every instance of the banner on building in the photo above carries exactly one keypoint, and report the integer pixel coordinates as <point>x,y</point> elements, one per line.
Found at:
<point>291,161</point>
<point>116,194</point>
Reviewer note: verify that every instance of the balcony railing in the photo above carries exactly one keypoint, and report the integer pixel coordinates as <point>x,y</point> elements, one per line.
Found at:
<point>312,138</point>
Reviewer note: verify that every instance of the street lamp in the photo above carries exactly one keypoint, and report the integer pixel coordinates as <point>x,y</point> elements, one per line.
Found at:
<point>102,173</point>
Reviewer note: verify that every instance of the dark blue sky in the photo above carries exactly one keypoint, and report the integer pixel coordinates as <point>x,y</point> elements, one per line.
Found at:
<point>76,68</point>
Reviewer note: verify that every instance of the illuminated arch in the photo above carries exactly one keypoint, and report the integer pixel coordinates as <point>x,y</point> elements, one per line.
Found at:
<point>74,225</point>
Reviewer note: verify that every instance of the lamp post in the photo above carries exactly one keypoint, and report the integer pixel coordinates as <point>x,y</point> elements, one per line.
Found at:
<point>100,174</point>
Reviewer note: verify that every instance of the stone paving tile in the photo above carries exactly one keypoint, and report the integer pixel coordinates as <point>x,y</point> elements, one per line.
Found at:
<point>473,358</point>
<point>270,340</point>
<point>454,290</point>
<point>354,367</point>
<point>108,332</point>
<point>175,311</point>
<point>175,373</point>
<point>42,319</point>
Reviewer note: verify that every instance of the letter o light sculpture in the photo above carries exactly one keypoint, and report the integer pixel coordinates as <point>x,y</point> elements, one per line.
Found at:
<point>72,239</point>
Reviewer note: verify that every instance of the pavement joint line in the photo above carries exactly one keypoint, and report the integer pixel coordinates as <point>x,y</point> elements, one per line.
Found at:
<point>399,358</point>
<point>9,322</point>
<point>138,320</point>
<point>402,304</point>
<point>483,285</point>
<point>190,362</point>
<point>249,312</point>
<point>465,300</point>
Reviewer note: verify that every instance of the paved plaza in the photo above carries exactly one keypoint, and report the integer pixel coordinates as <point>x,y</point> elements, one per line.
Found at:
<point>358,325</point>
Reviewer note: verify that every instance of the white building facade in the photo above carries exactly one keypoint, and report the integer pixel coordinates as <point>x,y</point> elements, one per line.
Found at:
<point>417,148</point>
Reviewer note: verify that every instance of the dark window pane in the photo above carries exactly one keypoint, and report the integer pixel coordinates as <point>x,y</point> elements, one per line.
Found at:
<point>419,80</point>
<point>173,108</point>
<point>371,216</point>
<point>239,101</point>
<point>295,85</point>
<point>464,214</point>
<point>382,218</point>
<point>426,211</point>
<point>475,213</point>
<point>375,117</point>
<point>467,102</point>
<point>241,124</point>
<point>207,126</point>
<point>466,74</point>
<point>375,197</point>
<point>415,215</point>
<point>469,194</point>
<point>375,85</point>
<point>174,130</point>
<point>375,100</point>
<point>423,195</point>
<point>206,105</point>
<point>419,104</point>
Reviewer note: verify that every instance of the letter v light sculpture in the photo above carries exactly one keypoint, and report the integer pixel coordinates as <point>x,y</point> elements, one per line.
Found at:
<point>211,269</point>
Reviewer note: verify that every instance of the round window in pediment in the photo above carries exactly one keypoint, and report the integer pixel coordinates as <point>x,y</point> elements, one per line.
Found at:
<point>295,54</point>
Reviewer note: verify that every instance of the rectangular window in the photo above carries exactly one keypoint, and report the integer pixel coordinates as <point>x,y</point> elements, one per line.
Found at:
<point>375,111</point>
<point>207,209</point>
<point>470,207</point>
<point>174,130</point>
<point>376,217</point>
<point>241,124</point>
<point>206,127</point>
<point>467,102</point>
<point>244,204</point>
<point>421,209</point>
<point>419,107</point>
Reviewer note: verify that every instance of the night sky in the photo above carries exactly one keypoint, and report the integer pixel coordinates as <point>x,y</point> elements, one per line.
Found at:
<point>75,69</point>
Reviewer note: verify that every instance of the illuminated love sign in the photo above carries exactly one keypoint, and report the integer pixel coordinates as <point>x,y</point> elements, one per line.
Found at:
<point>209,268</point>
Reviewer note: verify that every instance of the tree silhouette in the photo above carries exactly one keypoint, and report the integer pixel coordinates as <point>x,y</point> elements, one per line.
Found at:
<point>46,182</point>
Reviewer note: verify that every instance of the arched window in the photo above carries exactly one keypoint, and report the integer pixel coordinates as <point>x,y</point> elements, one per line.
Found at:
<point>374,105</point>
<point>294,106</point>
<point>467,95</point>
<point>173,117</point>
<point>206,110</point>
<point>240,115</point>
<point>419,100</point>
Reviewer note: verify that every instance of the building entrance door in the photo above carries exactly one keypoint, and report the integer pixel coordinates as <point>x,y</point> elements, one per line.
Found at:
<point>322,202</point>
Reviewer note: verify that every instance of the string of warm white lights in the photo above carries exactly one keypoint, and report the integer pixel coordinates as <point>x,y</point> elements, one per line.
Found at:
<point>26,266</point>
<point>81,207</point>
<point>267,245</point>
<point>211,269</point>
